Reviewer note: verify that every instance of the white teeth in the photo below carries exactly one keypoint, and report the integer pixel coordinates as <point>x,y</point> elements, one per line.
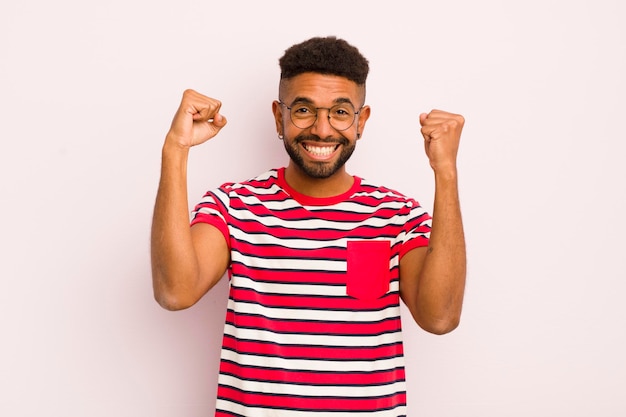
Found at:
<point>320,150</point>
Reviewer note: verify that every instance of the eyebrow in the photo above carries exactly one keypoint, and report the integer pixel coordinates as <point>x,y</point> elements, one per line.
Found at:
<point>307,100</point>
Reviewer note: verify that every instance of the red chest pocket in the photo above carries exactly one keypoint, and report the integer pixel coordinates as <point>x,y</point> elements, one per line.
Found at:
<point>368,269</point>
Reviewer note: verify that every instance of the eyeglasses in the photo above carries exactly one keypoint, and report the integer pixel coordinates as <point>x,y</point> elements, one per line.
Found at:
<point>340,116</point>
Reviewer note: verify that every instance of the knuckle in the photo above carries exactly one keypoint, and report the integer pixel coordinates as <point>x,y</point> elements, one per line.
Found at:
<point>454,123</point>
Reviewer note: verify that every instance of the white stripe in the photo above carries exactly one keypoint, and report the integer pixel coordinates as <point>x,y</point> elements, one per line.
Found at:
<point>312,223</point>
<point>321,365</point>
<point>278,205</point>
<point>345,206</point>
<point>273,189</point>
<point>290,264</point>
<point>295,264</point>
<point>269,239</point>
<point>319,315</point>
<point>312,390</point>
<point>378,194</point>
<point>299,289</point>
<point>284,289</point>
<point>313,339</point>
<point>269,412</point>
<point>208,211</point>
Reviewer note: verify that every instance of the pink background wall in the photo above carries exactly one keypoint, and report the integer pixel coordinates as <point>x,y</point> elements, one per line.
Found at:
<point>87,92</point>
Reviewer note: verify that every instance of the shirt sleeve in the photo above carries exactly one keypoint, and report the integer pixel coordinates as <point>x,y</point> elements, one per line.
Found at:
<point>416,228</point>
<point>213,209</point>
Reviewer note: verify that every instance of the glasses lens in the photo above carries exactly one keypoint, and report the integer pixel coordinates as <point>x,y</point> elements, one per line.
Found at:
<point>341,116</point>
<point>303,115</point>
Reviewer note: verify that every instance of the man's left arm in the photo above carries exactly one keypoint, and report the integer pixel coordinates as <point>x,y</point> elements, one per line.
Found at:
<point>432,279</point>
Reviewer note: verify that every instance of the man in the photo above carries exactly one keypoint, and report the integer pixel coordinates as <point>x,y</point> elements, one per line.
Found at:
<point>318,259</point>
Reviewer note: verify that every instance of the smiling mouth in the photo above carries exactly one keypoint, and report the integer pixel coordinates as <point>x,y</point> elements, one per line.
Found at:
<point>320,151</point>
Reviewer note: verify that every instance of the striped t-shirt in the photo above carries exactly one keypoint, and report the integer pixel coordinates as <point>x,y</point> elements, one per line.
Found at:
<point>313,319</point>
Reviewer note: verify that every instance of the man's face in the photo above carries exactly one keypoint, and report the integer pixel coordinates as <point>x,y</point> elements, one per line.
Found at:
<point>321,150</point>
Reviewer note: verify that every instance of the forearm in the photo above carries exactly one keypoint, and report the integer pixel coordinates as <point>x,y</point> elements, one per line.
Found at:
<point>174,262</point>
<point>442,278</point>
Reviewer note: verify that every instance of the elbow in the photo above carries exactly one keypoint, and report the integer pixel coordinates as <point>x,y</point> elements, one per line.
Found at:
<point>438,325</point>
<point>171,298</point>
<point>169,293</point>
<point>171,302</point>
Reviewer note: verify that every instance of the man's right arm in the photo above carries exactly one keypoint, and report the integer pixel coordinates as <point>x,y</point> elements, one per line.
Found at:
<point>186,261</point>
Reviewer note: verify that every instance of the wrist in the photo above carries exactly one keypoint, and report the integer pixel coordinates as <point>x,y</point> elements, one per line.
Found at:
<point>449,173</point>
<point>174,157</point>
<point>173,146</point>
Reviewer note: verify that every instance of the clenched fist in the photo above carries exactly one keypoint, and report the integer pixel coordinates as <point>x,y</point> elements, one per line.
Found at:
<point>442,134</point>
<point>196,120</point>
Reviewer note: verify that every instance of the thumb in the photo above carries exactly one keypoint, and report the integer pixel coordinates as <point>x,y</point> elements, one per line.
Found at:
<point>219,121</point>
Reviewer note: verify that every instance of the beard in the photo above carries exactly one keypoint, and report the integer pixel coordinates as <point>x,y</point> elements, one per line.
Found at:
<point>318,169</point>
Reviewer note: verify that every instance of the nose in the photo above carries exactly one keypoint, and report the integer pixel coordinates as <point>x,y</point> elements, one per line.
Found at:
<point>322,127</point>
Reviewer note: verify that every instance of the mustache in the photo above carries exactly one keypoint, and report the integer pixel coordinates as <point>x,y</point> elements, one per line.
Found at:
<point>315,138</point>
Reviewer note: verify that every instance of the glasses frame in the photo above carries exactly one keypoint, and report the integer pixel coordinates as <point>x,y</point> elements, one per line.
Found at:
<point>317,109</point>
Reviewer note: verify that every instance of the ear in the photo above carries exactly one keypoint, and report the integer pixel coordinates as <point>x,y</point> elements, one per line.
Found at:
<point>364,114</point>
<point>277,109</point>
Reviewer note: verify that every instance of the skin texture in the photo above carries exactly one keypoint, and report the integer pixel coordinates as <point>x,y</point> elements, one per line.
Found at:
<point>321,91</point>
<point>188,261</point>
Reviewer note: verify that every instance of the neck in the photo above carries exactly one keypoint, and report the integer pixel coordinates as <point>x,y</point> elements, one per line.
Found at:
<point>338,183</point>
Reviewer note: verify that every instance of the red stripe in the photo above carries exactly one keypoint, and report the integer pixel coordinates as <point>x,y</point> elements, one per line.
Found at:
<point>308,302</point>
<point>313,327</point>
<point>313,352</point>
<point>367,207</point>
<point>286,232</point>
<point>314,404</point>
<point>288,276</point>
<point>274,251</point>
<point>256,250</point>
<point>313,378</point>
